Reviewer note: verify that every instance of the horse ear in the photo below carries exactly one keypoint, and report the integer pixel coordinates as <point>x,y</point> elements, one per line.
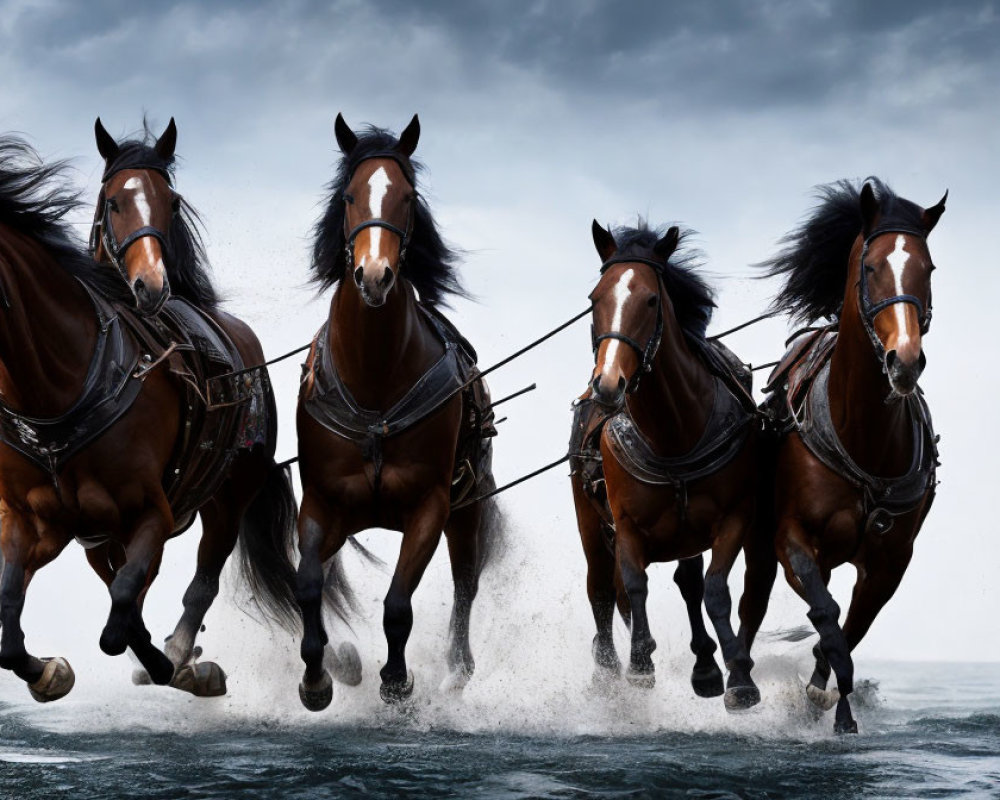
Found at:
<point>603,241</point>
<point>666,246</point>
<point>165,145</point>
<point>106,144</point>
<point>933,214</point>
<point>409,137</point>
<point>871,210</point>
<point>345,136</point>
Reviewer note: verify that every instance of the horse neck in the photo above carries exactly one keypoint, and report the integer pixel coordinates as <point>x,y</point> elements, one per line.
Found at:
<point>877,434</point>
<point>379,352</point>
<point>47,335</point>
<point>669,406</point>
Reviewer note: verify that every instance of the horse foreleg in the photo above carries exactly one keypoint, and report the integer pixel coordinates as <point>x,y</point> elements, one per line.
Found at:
<point>125,627</point>
<point>600,580</point>
<point>741,692</point>
<point>421,534</point>
<point>758,581</point>
<point>804,576</point>
<point>24,553</point>
<point>632,562</point>
<point>706,677</point>
<point>319,539</point>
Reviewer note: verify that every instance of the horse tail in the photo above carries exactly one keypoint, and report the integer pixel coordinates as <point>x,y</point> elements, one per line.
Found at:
<point>492,533</point>
<point>267,535</point>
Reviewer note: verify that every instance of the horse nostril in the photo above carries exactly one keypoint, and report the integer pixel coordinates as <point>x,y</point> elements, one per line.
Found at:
<point>595,384</point>
<point>387,277</point>
<point>359,275</point>
<point>621,383</point>
<point>890,360</point>
<point>141,292</point>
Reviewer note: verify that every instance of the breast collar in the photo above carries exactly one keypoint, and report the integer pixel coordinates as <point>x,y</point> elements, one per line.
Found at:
<point>109,389</point>
<point>884,497</point>
<point>333,406</point>
<point>725,433</point>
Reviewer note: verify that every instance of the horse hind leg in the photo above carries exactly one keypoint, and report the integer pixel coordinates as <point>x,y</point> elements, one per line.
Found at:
<point>706,677</point>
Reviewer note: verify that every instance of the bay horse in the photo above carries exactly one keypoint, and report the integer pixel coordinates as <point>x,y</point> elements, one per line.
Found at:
<point>394,428</point>
<point>92,426</point>
<point>663,456</point>
<point>855,451</point>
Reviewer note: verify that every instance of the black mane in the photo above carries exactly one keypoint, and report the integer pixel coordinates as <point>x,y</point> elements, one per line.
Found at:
<point>692,298</point>
<point>430,263</point>
<point>185,259</point>
<point>34,199</point>
<point>814,257</point>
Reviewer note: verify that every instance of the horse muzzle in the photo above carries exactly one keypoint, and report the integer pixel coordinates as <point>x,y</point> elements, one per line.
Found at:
<point>374,287</point>
<point>609,394</point>
<point>903,373</point>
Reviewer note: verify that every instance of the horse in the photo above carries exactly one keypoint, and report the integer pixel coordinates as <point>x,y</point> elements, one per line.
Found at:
<point>97,430</point>
<point>394,426</point>
<point>854,451</point>
<point>663,456</point>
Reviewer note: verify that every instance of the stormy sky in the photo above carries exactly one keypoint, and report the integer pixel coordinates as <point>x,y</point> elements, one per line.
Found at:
<point>537,117</point>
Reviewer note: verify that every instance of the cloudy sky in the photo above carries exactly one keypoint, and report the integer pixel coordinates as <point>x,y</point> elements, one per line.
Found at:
<point>537,117</point>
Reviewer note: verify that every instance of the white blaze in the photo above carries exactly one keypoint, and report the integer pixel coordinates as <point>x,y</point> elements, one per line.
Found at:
<point>139,198</point>
<point>897,264</point>
<point>378,187</point>
<point>621,294</point>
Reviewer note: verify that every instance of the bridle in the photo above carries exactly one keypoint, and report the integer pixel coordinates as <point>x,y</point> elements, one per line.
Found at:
<point>645,352</point>
<point>870,310</point>
<point>104,232</point>
<point>378,222</point>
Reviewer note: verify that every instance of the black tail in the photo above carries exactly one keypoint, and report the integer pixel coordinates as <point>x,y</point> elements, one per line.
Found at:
<point>267,534</point>
<point>492,525</point>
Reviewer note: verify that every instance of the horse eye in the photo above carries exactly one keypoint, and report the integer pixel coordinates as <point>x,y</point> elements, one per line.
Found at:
<point>869,269</point>
<point>651,301</point>
<point>175,203</point>
<point>113,204</point>
<point>349,199</point>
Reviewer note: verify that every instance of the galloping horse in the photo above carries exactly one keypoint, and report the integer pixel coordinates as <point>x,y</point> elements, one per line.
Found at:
<point>856,452</point>
<point>663,455</point>
<point>102,432</point>
<point>394,427</point>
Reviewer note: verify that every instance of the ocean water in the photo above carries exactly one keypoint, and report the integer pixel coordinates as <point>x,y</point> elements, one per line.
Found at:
<point>927,730</point>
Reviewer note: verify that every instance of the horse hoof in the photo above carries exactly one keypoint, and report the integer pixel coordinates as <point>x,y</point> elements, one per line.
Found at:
<point>850,726</point>
<point>205,679</point>
<point>641,680</point>
<point>823,699</point>
<point>740,698</point>
<point>112,643</point>
<point>141,678</point>
<point>707,682</point>
<point>346,665</point>
<point>456,680</point>
<point>56,681</point>
<point>318,697</point>
<point>397,692</point>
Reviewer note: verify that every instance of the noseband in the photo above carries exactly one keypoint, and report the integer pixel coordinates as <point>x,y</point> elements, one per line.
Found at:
<point>870,310</point>
<point>645,352</point>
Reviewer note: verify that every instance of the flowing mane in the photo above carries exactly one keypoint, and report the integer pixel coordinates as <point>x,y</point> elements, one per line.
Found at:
<point>431,265</point>
<point>813,259</point>
<point>692,298</point>
<point>185,259</point>
<point>34,199</point>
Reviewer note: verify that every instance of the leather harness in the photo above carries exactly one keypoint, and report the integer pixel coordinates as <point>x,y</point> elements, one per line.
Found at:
<point>331,404</point>
<point>800,402</point>
<point>225,407</point>
<point>726,430</point>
